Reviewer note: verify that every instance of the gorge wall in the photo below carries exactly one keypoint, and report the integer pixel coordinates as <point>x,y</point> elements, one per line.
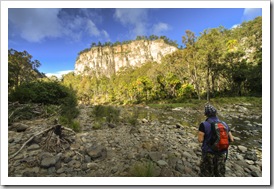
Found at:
<point>107,60</point>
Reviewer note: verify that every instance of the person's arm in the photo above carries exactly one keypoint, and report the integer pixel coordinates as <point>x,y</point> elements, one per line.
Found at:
<point>230,136</point>
<point>201,133</point>
<point>201,136</point>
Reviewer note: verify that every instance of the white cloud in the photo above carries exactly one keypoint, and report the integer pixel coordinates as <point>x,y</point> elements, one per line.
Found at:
<point>251,13</point>
<point>105,34</point>
<point>159,28</point>
<point>133,18</point>
<point>59,73</point>
<point>235,26</point>
<point>92,29</point>
<point>36,24</point>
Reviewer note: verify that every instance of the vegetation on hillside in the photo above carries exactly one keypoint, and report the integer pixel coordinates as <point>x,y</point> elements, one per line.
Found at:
<point>218,63</point>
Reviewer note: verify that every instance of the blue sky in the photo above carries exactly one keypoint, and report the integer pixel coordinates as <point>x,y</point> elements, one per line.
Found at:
<point>55,36</point>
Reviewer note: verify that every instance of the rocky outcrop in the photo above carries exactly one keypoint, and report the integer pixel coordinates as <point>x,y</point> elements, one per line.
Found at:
<point>108,60</point>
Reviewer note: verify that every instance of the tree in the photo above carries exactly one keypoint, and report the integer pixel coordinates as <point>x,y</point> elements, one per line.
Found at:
<point>21,69</point>
<point>190,57</point>
<point>211,47</point>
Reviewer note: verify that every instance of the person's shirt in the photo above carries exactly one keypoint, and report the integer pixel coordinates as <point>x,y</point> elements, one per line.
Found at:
<point>205,127</point>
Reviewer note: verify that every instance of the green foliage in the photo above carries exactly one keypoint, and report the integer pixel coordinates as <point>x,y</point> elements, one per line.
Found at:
<point>133,117</point>
<point>21,69</point>
<point>97,125</point>
<point>143,169</point>
<point>187,91</point>
<point>73,124</point>
<point>48,93</point>
<point>110,113</point>
<point>40,92</point>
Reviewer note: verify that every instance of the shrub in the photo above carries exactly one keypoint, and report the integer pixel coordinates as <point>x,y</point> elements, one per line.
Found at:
<point>187,91</point>
<point>133,117</point>
<point>71,123</point>
<point>48,93</point>
<point>97,125</point>
<point>143,169</point>
<point>109,112</point>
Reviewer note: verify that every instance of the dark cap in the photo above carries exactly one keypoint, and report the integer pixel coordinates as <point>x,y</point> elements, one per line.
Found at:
<point>210,110</point>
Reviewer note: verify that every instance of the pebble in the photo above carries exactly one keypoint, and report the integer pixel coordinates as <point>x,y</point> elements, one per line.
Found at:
<point>242,148</point>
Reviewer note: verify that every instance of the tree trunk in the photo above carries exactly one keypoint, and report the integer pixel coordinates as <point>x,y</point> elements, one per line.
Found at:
<point>208,85</point>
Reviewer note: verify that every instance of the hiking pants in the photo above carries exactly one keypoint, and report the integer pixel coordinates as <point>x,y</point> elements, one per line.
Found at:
<point>212,165</point>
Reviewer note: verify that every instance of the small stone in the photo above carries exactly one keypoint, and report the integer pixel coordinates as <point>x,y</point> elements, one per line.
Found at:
<point>187,155</point>
<point>96,152</point>
<point>236,138</point>
<point>74,164</point>
<point>48,162</point>
<point>242,148</point>
<point>250,162</point>
<point>178,126</point>
<point>161,163</point>
<point>34,147</point>
<point>111,125</point>
<point>20,127</point>
<point>144,120</point>
<point>92,166</point>
<point>60,171</point>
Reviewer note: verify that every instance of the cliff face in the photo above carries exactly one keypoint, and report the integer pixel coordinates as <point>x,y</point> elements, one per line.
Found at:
<point>108,60</point>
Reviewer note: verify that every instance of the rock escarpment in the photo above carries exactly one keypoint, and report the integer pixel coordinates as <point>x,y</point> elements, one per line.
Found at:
<point>108,60</point>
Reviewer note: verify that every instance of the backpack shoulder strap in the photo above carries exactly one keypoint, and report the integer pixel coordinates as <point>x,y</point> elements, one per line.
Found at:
<point>209,120</point>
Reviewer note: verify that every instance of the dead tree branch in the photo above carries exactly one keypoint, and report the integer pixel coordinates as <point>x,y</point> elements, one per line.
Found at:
<point>54,129</point>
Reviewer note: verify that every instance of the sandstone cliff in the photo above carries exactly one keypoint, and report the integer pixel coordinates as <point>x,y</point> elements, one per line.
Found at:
<point>108,60</point>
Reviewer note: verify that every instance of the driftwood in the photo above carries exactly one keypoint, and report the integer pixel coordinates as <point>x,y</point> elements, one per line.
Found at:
<point>57,129</point>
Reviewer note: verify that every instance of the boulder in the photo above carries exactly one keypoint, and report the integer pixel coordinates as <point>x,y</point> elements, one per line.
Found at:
<point>48,162</point>
<point>96,152</point>
<point>155,156</point>
<point>242,148</point>
<point>20,127</point>
<point>251,155</point>
<point>162,163</point>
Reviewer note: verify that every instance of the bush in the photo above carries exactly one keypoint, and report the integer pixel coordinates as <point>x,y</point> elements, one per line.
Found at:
<point>109,112</point>
<point>40,92</point>
<point>143,169</point>
<point>73,124</point>
<point>133,117</point>
<point>48,93</point>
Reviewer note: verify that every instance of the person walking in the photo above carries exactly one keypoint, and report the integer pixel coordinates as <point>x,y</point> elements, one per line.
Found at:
<point>213,159</point>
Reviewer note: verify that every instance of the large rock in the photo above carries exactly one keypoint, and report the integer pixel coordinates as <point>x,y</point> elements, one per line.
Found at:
<point>48,162</point>
<point>242,148</point>
<point>96,152</point>
<point>251,155</point>
<point>20,127</point>
<point>155,156</point>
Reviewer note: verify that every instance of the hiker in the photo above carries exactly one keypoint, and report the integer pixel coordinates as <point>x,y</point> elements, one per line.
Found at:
<point>213,159</point>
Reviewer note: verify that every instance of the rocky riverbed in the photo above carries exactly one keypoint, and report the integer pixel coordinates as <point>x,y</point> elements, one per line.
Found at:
<point>165,147</point>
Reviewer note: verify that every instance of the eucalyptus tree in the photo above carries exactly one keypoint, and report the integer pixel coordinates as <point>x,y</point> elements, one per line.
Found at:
<point>21,68</point>
<point>191,60</point>
<point>211,46</point>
